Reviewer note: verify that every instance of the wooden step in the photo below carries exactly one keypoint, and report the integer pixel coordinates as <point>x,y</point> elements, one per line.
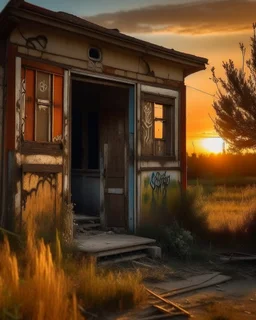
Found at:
<point>79,218</point>
<point>89,226</point>
<point>121,258</point>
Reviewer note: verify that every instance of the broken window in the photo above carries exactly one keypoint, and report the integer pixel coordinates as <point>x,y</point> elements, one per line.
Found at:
<point>157,134</point>
<point>43,106</point>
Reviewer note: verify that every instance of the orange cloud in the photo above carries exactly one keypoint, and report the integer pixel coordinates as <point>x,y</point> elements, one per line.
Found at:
<point>201,17</point>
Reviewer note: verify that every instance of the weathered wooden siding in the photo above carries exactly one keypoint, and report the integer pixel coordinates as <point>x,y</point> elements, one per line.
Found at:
<point>38,183</point>
<point>158,177</point>
<point>72,50</point>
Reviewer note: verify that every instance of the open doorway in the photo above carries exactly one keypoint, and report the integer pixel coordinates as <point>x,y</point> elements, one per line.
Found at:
<point>99,138</point>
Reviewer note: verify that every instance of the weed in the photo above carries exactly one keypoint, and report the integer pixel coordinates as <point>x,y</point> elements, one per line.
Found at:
<point>104,290</point>
<point>37,285</point>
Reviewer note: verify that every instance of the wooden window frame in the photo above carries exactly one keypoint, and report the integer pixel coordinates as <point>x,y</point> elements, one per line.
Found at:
<point>168,119</point>
<point>49,105</point>
<point>56,75</point>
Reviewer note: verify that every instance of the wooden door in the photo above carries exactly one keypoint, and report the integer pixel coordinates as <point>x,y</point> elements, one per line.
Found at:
<point>113,151</point>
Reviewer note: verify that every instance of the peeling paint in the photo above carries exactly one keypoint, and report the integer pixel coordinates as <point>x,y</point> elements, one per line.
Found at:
<point>40,159</point>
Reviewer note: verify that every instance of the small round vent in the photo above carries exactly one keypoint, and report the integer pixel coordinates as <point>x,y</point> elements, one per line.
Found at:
<point>94,54</point>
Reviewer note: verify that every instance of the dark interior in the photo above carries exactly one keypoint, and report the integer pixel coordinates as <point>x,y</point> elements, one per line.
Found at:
<point>88,102</point>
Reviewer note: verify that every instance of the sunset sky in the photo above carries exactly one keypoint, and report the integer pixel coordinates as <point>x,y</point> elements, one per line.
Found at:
<point>207,28</point>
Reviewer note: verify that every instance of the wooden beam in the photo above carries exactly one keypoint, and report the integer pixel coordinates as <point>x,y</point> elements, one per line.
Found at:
<point>168,302</point>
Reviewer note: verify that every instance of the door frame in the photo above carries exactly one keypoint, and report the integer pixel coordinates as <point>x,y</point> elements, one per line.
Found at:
<point>131,172</point>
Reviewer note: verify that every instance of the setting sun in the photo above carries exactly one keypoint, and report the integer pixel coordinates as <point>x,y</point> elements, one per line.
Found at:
<point>212,145</point>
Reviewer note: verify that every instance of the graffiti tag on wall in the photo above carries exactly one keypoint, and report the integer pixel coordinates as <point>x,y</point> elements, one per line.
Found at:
<point>159,181</point>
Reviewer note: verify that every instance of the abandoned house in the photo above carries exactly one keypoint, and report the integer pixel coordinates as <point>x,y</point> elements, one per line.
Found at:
<point>88,116</point>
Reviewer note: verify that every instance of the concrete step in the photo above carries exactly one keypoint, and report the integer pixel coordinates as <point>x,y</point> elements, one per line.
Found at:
<point>117,247</point>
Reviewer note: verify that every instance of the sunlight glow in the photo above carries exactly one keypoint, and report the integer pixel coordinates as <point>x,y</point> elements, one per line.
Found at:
<point>212,145</point>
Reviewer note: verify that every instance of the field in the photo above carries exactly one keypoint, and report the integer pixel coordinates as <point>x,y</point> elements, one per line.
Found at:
<point>228,209</point>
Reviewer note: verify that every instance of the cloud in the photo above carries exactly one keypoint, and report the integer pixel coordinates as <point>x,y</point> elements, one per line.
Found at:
<point>201,17</point>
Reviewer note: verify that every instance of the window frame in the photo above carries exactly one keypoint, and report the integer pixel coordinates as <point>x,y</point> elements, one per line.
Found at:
<point>168,103</point>
<point>50,105</point>
<point>55,73</point>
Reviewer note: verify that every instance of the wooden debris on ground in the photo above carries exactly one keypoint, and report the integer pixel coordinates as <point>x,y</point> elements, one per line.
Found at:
<point>236,256</point>
<point>172,288</point>
<point>168,308</point>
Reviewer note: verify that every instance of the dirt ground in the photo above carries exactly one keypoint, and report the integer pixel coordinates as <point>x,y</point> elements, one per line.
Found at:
<point>232,300</point>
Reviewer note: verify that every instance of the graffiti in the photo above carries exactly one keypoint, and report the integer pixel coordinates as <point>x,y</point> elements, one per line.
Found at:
<point>159,181</point>
<point>147,122</point>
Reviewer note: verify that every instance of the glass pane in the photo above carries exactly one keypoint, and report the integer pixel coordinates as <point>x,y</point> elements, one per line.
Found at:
<point>43,86</point>
<point>160,148</point>
<point>158,110</point>
<point>42,123</point>
<point>159,130</point>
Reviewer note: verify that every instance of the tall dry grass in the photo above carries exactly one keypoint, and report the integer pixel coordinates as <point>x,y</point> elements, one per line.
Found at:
<point>105,290</point>
<point>36,286</point>
<point>40,291</point>
<point>228,207</point>
<point>230,214</point>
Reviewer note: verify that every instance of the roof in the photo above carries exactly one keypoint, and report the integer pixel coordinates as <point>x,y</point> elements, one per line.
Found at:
<point>17,10</point>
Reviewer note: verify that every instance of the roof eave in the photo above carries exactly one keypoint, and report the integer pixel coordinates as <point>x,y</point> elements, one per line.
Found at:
<point>191,63</point>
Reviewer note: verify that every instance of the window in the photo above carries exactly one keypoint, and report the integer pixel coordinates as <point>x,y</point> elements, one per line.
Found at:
<point>94,54</point>
<point>157,134</point>
<point>43,106</point>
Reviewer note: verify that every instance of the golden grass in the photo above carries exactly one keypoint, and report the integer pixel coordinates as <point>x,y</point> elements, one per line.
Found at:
<point>35,286</point>
<point>101,289</point>
<point>222,311</point>
<point>228,207</point>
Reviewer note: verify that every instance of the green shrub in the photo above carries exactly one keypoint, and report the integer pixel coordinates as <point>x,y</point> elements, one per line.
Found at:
<point>173,239</point>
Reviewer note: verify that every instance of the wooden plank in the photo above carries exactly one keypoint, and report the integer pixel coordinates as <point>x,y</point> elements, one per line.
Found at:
<point>47,148</point>
<point>161,308</point>
<point>130,152</point>
<point>205,284</point>
<point>158,99</point>
<point>58,107</point>
<point>29,105</point>
<point>90,225</point>
<point>123,259</point>
<point>83,218</point>
<point>113,252</point>
<point>47,168</point>
<point>236,258</point>
<point>168,302</point>
<point>42,66</point>
<point>9,135</point>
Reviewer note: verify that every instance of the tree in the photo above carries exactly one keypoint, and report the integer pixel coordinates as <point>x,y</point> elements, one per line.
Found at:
<point>235,105</point>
